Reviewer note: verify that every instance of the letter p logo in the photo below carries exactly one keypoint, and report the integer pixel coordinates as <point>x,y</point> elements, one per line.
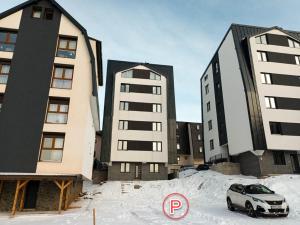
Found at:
<point>175,204</point>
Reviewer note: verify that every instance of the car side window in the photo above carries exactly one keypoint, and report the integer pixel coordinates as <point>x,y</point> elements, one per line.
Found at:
<point>239,188</point>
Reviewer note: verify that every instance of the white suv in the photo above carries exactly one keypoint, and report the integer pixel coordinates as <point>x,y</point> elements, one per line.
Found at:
<point>257,200</point>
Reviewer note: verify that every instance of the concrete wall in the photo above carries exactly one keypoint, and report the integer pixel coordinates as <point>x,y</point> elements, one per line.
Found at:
<point>227,168</point>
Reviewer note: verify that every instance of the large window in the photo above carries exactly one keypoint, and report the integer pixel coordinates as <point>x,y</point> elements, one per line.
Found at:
<point>62,77</point>
<point>262,56</point>
<point>125,168</point>
<point>156,146</point>
<point>7,41</point>
<point>157,108</point>
<point>293,44</point>
<point>154,168</point>
<point>4,72</point>
<point>279,158</point>
<point>270,102</point>
<point>58,111</point>
<point>127,74</point>
<point>266,78</point>
<point>52,147</point>
<point>261,39</point>
<point>66,47</point>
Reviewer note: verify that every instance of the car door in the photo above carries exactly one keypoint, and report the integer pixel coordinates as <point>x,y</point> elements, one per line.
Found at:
<point>240,196</point>
<point>233,194</point>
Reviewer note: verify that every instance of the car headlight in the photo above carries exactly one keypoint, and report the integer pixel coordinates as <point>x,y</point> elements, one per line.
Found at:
<point>258,200</point>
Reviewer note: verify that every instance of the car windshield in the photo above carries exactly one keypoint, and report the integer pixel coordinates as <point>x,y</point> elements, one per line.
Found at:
<point>257,189</point>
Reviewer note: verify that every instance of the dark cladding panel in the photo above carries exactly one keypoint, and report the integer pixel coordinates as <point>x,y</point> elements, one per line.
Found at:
<point>140,106</point>
<point>137,88</point>
<point>281,58</point>
<point>183,138</point>
<point>288,80</point>
<point>142,74</point>
<point>274,39</point>
<point>25,102</point>
<point>139,125</point>
<point>139,145</point>
<point>287,103</point>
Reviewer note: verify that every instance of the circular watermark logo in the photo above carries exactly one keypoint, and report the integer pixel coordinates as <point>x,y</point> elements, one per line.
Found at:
<point>175,206</point>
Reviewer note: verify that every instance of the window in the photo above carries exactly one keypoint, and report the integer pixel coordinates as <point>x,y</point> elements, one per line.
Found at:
<point>127,74</point>
<point>279,158</point>
<point>48,15</point>
<point>156,126</point>
<point>124,87</point>
<point>209,125</point>
<point>57,111</point>
<point>154,168</point>
<point>262,56</point>
<point>157,108</point>
<point>211,144</point>
<point>206,89</point>
<point>208,107</point>
<point>52,147</point>
<point>1,102</point>
<point>293,44</point>
<point>198,127</point>
<point>178,146</point>
<point>156,90</point>
<point>122,145</point>
<point>261,39</point>
<point>205,77</point>
<point>266,78</point>
<point>270,102</point>
<point>4,72</point>
<point>199,137</point>
<point>66,48</point>
<point>176,125</point>
<point>62,77</point>
<point>275,128</point>
<point>178,158</point>
<point>123,125</point>
<point>154,76</point>
<point>297,59</point>
<point>37,12</point>
<point>124,106</point>
<point>200,149</point>
<point>7,41</point>
<point>156,146</point>
<point>125,168</point>
<point>217,67</point>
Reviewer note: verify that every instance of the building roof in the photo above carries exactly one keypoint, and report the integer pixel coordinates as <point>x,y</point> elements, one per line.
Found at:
<point>79,26</point>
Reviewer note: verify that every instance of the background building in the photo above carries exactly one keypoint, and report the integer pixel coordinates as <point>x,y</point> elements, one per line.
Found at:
<point>251,100</point>
<point>50,72</point>
<point>139,127</point>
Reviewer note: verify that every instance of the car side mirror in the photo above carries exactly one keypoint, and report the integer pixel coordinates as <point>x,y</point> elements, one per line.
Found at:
<point>243,192</point>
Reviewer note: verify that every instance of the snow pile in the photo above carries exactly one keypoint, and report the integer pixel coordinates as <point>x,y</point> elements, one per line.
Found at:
<point>140,203</point>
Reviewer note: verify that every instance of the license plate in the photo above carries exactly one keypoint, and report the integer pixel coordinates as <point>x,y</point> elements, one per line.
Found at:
<point>276,207</point>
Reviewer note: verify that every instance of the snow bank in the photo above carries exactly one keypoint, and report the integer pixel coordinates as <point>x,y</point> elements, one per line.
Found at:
<point>139,203</point>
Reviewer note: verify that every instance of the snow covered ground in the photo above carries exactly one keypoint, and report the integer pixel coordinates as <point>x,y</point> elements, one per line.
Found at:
<point>126,203</point>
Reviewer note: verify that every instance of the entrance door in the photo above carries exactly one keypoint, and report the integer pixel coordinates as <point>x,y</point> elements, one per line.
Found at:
<point>31,194</point>
<point>138,171</point>
<point>295,163</point>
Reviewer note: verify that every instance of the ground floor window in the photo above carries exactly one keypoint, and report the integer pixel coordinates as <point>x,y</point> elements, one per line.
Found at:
<point>154,168</point>
<point>279,158</point>
<point>125,167</point>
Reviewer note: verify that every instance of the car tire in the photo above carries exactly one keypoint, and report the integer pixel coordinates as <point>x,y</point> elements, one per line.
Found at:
<point>250,210</point>
<point>230,205</point>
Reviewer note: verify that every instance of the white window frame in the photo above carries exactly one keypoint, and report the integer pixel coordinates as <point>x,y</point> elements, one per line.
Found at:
<point>270,102</point>
<point>156,126</point>
<point>156,90</point>
<point>123,125</point>
<point>293,44</point>
<point>262,56</point>
<point>297,59</point>
<point>154,168</point>
<point>154,76</point>
<point>200,149</point>
<point>262,39</point>
<point>157,108</point>
<point>122,145</point>
<point>125,168</point>
<point>124,106</point>
<point>198,127</point>
<point>127,74</point>
<point>266,78</point>
<point>125,88</point>
<point>156,146</point>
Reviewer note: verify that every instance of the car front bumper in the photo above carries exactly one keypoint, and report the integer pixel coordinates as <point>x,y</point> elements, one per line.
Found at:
<point>269,210</point>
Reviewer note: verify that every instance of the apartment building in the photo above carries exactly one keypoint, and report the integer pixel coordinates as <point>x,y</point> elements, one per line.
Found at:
<point>251,100</point>
<point>50,73</point>
<point>139,125</point>
<point>189,145</point>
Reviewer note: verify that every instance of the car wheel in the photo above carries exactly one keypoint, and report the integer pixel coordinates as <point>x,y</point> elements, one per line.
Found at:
<point>250,210</point>
<point>229,205</point>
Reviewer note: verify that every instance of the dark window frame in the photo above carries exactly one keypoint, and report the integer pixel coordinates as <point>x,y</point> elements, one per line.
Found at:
<point>38,9</point>
<point>7,41</point>
<point>2,63</point>
<point>63,78</point>
<point>53,136</point>
<point>48,12</point>
<point>60,102</point>
<point>279,158</point>
<point>67,48</point>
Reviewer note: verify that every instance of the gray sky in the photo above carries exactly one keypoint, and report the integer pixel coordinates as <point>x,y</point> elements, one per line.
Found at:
<point>182,33</point>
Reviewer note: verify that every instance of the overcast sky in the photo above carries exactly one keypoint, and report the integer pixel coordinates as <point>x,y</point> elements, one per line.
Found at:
<point>181,33</point>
